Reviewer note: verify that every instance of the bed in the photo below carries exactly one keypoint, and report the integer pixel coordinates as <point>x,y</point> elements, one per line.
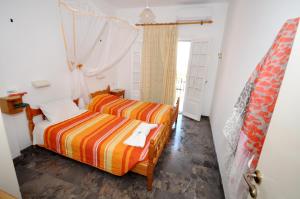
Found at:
<point>97,139</point>
<point>102,101</point>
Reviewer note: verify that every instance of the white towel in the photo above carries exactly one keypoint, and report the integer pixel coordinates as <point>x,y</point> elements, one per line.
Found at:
<point>139,135</point>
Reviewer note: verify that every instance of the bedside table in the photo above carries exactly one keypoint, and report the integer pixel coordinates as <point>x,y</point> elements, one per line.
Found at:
<point>118,92</point>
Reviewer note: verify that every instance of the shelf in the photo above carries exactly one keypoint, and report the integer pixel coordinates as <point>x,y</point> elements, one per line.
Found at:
<point>7,104</point>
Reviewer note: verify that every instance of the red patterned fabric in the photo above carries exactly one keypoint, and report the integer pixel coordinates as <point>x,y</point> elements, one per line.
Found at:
<point>270,73</point>
<point>246,129</point>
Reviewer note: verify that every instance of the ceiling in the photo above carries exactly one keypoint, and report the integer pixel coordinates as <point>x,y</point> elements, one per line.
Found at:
<point>142,3</point>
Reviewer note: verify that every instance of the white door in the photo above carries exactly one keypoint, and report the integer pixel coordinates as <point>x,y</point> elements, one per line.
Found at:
<point>196,79</point>
<point>280,159</point>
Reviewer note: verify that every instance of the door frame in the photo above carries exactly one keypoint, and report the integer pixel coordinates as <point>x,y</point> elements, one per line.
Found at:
<point>184,40</point>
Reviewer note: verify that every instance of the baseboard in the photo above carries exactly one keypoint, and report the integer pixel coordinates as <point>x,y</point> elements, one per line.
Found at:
<point>15,155</point>
<point>192,116</point>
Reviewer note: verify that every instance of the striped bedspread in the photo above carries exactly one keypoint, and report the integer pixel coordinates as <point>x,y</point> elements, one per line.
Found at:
<point>145,111</point>
<point>97,139</point>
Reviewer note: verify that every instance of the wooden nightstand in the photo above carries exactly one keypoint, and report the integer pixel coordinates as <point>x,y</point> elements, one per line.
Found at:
<point>118,92</point>
<point>12,104</point>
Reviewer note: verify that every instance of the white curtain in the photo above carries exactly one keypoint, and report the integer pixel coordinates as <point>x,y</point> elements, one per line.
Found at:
<point>95,41</point>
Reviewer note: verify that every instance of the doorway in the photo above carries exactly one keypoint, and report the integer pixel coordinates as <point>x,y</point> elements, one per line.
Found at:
<point>183,55</point>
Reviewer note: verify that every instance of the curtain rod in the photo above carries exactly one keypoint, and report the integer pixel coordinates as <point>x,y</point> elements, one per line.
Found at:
<point>201,22</point>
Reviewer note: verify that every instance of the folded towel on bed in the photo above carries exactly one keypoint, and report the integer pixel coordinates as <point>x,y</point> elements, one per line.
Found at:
<point>139,136</point>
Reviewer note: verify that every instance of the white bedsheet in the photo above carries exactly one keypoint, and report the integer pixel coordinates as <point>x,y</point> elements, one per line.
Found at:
<point>40,127</point>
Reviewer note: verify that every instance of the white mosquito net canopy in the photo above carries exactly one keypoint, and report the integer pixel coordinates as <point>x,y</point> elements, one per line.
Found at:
<point>94,42</point>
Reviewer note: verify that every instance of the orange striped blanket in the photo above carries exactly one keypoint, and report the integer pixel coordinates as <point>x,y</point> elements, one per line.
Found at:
<point>97,139</point>
<point>146,111</point>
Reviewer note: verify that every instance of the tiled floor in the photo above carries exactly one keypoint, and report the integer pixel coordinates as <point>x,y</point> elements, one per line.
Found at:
<point>187,169</point>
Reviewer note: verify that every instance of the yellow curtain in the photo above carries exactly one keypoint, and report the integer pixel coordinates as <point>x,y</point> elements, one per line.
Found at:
<point>159,54</point>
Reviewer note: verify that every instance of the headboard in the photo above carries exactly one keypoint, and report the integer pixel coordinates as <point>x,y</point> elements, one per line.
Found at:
<point>107,90</point>
<point>31,113</point>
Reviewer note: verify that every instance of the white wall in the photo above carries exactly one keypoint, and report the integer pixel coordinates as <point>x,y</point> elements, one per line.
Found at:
<point>32,49</point>
<point>8,182</point>
<point>283,138</point>
<point>214,32</point>
<point>105,7</point>
<point>250,30</point>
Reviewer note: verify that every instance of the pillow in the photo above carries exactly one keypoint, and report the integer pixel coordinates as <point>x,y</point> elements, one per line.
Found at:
<point>59,110</point>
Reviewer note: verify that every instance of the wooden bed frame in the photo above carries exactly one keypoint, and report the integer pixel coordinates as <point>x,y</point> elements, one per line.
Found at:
<point>145,168</point>
<point>105,91</point>
<point>156,146</point>
<point>174,113</point>
<point>31,113</point>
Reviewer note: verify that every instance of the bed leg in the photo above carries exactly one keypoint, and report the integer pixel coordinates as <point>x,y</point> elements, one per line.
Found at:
<point>170,133</point>
<point>149,179</point>
<point>150,169</point>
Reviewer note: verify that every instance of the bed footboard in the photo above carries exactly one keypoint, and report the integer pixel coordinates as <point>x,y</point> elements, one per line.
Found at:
<point>155,149</point>
<point>176,112</point>
<point>174,115</point>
